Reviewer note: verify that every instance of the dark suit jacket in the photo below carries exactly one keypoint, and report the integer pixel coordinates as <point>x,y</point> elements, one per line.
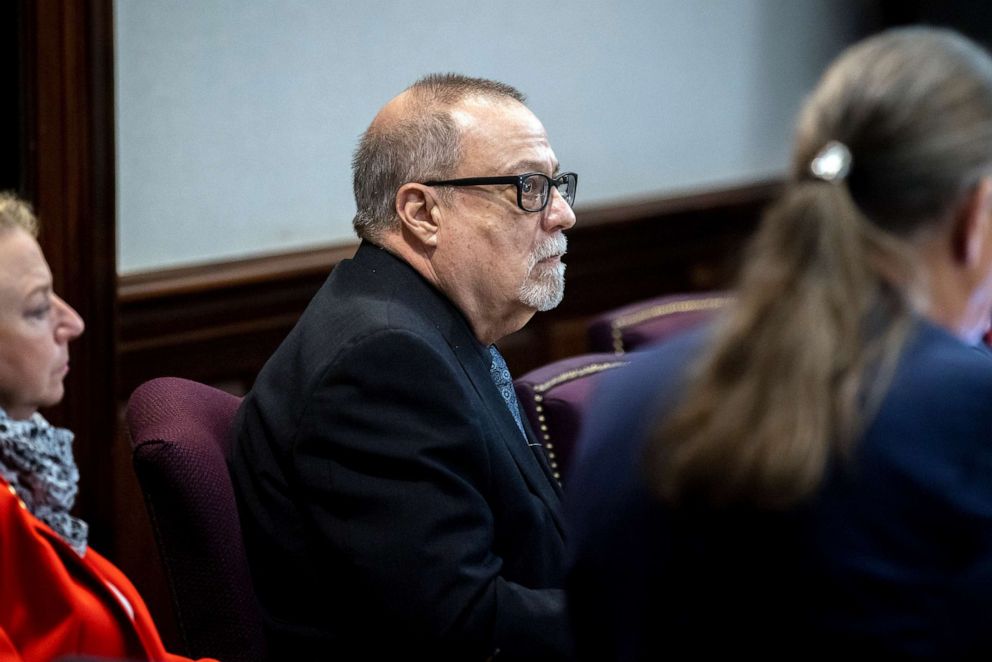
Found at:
<point>891,559</point>
<point>390,504</point>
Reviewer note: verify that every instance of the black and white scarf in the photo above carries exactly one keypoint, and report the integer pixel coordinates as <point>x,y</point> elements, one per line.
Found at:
<point>36,459</point>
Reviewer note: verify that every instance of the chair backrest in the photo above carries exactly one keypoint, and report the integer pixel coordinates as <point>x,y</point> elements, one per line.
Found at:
<point>651,321</point>
<point>180,438</point>
<point>554,398</point>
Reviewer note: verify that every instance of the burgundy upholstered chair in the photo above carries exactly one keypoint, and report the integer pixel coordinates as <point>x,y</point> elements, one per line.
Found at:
<point>180,438</point>
<point>647,322</point>
<point>554,398</point>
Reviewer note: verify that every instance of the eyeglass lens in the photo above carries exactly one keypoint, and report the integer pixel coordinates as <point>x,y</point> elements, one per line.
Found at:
<point>567,188</point>
<point>534,192</point>
<point>535,189</point>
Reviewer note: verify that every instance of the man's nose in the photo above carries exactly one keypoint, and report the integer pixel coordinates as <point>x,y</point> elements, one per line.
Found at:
<point>560,215</point>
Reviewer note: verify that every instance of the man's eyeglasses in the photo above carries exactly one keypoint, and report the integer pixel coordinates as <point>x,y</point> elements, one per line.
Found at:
<point>533,188</point>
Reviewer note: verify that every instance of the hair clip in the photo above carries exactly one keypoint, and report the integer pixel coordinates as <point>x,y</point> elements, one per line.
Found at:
<point>832,163</point>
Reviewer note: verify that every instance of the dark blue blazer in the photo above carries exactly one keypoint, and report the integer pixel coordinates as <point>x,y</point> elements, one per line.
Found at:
<point>391,508</point>
<point>891,559</point>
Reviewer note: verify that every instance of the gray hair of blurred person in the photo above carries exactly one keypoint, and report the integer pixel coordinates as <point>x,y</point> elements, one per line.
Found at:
<point>903,123</point>
<point>15,213</point>
<point>423,145</point>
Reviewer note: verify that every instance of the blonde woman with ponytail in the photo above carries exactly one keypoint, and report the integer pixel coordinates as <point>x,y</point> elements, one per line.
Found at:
<point>811,477</point>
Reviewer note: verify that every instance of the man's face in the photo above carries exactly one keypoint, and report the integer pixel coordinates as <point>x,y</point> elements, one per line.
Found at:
<point>498,259</point>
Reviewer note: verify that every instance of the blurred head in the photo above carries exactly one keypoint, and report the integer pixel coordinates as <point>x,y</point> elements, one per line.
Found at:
<point>477,242</point>
<point>914,108</point>
<point>837,268</point>
<point>35,324</point>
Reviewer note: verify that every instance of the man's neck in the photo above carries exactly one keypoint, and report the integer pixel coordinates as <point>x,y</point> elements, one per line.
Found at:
<point>488,325</point>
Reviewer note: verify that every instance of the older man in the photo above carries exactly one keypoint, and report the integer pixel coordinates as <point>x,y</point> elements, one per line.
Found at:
<point>394,501</point>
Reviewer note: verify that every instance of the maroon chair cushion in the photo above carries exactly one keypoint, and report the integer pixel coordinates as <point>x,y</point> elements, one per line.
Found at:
<point>554,398</point>
<point>648,322</point>
<point>180,438</point>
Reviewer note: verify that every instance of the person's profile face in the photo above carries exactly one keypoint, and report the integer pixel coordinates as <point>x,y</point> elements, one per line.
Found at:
<point>978,312</point>
<point>508,256</point>
<point>35,328</point>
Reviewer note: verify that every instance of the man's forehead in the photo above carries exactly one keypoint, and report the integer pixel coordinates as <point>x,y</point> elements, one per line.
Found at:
<point>506,135</point>
<point>476,111</point>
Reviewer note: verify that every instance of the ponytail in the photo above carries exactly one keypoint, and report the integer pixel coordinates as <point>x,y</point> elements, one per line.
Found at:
<point>783,389</point>
<point>899,127</point>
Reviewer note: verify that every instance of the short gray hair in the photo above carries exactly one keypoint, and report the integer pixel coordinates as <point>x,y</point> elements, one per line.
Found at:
<point>424,145</point>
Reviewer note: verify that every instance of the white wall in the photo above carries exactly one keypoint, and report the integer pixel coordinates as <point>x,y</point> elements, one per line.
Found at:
<point>236,119</point>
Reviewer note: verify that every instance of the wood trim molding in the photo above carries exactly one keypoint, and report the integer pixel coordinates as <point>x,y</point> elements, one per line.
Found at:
<point>190,280</point>
<point>219,322</point>
<point>721,200</point>
<point>153,284</point>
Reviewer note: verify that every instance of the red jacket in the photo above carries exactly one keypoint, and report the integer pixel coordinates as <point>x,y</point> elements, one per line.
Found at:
<point>54,602</point>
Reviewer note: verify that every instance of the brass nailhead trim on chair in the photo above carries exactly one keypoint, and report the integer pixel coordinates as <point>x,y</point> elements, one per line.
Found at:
<point>590,369</point>
<point>540,389</point>
<point>661,310</point>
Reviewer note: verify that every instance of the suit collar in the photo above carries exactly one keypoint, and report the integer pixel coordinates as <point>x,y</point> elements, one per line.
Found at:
<point>424,296</point>
<point>434,304</point>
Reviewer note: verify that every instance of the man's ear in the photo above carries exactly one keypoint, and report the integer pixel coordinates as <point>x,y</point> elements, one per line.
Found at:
<point>973,225</point>
<point>419,213</point>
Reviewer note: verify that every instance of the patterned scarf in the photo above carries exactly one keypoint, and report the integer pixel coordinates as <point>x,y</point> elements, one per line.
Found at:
<point>36,459</point>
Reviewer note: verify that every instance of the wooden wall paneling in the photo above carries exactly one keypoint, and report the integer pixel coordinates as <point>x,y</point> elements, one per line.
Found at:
<point>219,323</point>
<point>68,99</point>
<point>626,253</point>
<point>66,159</point>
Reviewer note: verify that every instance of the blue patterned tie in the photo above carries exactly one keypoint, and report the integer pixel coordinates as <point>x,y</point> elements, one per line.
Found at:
<point>501,377</point>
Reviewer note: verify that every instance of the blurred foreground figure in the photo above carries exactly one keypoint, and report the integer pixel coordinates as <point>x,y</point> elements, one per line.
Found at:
<point>812,476</point>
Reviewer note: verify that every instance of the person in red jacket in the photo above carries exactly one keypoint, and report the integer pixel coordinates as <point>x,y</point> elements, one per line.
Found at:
<point>57,596</point>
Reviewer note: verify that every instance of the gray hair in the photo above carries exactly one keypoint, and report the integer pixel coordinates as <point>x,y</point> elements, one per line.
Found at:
<point>16,213</point>
<point>423,145</point>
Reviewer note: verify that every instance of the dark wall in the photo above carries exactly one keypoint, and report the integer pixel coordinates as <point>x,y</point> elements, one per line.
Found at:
<point>971,17</point>
<point>11,130</point>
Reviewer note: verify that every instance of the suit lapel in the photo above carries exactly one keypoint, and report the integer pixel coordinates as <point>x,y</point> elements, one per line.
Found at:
<point>537,478</point>
<point>474,360</point>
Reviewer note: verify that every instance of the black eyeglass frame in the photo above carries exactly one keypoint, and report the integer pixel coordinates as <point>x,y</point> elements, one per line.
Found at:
<point>518,181</point>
